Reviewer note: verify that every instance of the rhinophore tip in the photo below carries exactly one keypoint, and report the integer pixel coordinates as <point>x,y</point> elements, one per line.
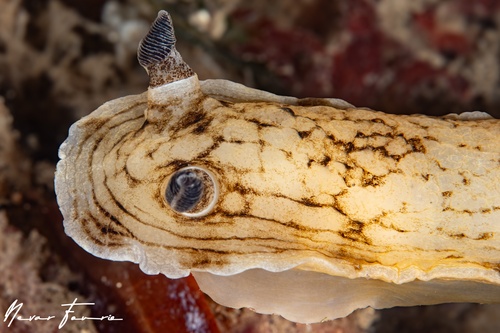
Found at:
<point>158,43</point>
<point>157,53</point>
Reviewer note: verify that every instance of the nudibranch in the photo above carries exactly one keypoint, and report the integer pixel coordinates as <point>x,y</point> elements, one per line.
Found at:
<point>307,208</point>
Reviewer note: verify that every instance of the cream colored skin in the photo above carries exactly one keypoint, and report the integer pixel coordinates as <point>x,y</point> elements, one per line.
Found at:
<point>354,207</point>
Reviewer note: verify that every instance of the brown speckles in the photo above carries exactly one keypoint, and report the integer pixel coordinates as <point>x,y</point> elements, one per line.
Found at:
<point>481,237</point>
<point>226,104</point>
<point>304,134</point>
<point>466,180</point>
<point>168,71</point>
<point>194,118</point>
<point>454,256</point>
<point>417,145</point>
<point>393,227</point>
<point>95,123</point>
<point>338,207</point>
<point>289,111</point>
<point>354,232</point>
<point>237,187</point>
<point>404,207</point>
<point>440,166</point>
<point>297,226</point>
<point>325,160</point>
<point>131,180</point>
<point>447,194</point>
<point>484,236</point>
<point>310,202</point>
<point>360,135</point>
<point>105,230</point>
<point>260,124</point>
<point>201,126</point>
<point>396,158</point>
<point>160,198</point>
<point>287,154</point>
<point>348,147</point>
<point>332,138</point>
<point>378,121</point>
<point>217,141</point>
<point>418,123</point>
<point>371,180</point>
<point>468,212</point>
<point>176,165</point>
<point>210,261</point>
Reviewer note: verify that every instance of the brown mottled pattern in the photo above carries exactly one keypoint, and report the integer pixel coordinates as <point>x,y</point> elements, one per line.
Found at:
<point>365,191</point>
<point>170,70</point>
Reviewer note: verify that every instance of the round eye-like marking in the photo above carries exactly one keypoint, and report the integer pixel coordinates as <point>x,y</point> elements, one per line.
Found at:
<point>192,191</point>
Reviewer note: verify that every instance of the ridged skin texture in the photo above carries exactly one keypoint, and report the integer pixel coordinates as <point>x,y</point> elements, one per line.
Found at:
<point>303,185</point>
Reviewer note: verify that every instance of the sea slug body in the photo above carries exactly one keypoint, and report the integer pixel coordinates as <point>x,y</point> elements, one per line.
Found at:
<point>308,208</point>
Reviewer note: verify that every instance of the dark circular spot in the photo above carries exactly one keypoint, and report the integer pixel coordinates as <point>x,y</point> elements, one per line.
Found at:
<point>192,191</point>
<point>184,190</point>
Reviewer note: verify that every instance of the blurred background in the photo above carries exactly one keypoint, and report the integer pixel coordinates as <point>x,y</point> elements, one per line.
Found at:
<point>61,59</point>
